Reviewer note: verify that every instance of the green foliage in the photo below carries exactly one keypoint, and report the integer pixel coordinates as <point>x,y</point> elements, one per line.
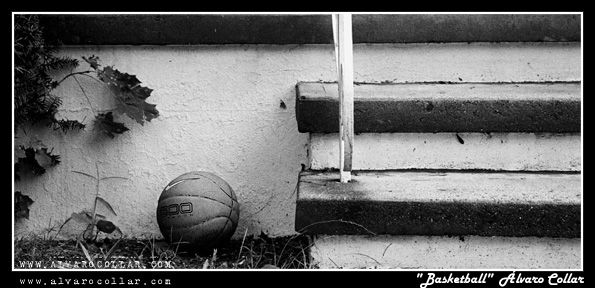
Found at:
<point>91,218</point>
<point>33,64</point>
<point>35,104</point>
<point>21,205</point>
<point>104,122</point>
<point>33,159</point>
<point>129,94</point>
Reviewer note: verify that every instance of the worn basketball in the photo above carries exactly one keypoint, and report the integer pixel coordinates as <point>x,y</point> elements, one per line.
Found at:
<point>198,209</point>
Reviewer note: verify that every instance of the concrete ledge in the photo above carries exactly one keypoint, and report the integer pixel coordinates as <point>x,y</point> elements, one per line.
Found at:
<point>440,203</point>
<point>545,107</point>
<point>306,29</point>
<point>435,252</point>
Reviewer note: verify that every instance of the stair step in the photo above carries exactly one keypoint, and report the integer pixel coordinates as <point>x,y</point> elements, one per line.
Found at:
<point>440,203</point>
<point>441,252</point>
<point>449,107</point>
<point>495,151</point>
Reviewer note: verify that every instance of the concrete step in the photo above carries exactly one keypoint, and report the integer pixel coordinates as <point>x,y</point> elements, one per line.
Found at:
<point>444,107</point>
<point>495,151</point>
<point>442,252</point>
<point>440,203</point>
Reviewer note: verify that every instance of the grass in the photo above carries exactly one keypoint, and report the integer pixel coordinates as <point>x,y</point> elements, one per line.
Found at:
<point>250,252</point>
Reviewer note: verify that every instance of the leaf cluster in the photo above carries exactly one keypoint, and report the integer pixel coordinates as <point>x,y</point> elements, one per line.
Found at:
<point>21,205</point>
<point>35,104</point>
<point>33,158</point>
<point>130,98</point>
<point>34,62</point>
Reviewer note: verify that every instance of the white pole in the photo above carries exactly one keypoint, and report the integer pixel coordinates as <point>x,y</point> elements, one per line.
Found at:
<point>342,36</point>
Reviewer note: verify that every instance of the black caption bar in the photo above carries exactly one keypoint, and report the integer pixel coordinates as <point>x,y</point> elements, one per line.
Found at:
<point>203,278</point>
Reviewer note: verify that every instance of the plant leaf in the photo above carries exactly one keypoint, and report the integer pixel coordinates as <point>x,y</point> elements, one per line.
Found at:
<point>90,215</point>
<point>35,161</point>
<point>83,173</point>
<point>105,123</point>
<point>35,143</point>
<point>107,205</point>
<point>93,61</point>
<point>130,95</point>
<point>106,226</point>
<point>21,205</point>
<point>45,159</point>
<point>113,177</point>
<point>82,217</point>
<point>459,138</point>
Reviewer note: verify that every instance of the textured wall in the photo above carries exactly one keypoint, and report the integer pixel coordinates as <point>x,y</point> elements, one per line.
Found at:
<point>220,112</point>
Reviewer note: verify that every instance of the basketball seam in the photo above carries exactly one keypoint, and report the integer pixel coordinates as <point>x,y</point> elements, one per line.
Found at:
<point>200,196</point>
<point>218,186</point>
<point>228,220</point>
<point>201,222</point>
<point>170,185</point>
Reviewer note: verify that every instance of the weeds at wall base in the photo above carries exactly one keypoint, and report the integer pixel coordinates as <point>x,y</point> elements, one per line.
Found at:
<point>253,252</point>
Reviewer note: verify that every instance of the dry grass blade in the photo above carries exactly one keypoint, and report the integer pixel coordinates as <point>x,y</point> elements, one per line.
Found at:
<point>386,249</point>
<point>305,228</point>
<point>214,257</point>
<point>334,263</point>
<point>305,257</point>
<point>111,250</point>
<point>368,257</point>
<point>242,245</point>
<point>85,251</point>
<point>256,252</point>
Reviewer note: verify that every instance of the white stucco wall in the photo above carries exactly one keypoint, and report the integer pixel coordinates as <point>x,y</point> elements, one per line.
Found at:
<point>220,112</point>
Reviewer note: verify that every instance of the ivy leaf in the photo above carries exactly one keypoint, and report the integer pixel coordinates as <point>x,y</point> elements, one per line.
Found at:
<point>21,205</point>
<point>104,122</point>
<point>106,226</point>
<point>130,95</point>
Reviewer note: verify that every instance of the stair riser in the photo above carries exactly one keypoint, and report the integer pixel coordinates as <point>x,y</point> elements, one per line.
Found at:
<point>469,252</point>
<point>496,151</point>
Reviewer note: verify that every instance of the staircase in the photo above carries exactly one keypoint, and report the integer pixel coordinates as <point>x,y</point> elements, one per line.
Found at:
<point>446,176</point>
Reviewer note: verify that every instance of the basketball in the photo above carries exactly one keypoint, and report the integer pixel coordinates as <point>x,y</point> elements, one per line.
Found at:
<point>198,209</point>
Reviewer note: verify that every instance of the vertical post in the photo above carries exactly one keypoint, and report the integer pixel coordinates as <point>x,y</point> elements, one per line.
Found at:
<point>344,57</point>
